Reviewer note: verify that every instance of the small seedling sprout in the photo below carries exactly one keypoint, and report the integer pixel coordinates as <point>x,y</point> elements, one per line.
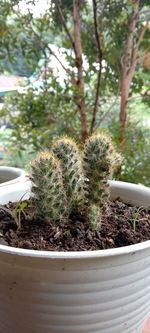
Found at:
<point>135,218</point>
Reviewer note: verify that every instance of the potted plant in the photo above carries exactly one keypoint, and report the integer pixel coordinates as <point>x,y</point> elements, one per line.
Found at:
<point>10,177</point>
<point>95,291</point>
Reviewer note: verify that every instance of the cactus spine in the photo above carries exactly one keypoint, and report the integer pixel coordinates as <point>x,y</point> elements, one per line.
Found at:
<point>99,157</point>
<point>94,217</point>
<point>49,198</point>
<point>68,154</point>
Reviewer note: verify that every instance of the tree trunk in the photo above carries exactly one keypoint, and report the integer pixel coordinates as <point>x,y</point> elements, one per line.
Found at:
<point>77,84</point>
<point>125,87</point>
<point>100,58</point>
<point>80,97</point>
<point>128,63</point>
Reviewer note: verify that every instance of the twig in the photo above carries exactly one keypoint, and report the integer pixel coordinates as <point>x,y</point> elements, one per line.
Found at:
<point>60,62</point>
<point>110,108</point>
<point>128,54</point>
<point>68,71</point>
<point>61,16</point>
<point>100,57</point>
<point>138,43</point>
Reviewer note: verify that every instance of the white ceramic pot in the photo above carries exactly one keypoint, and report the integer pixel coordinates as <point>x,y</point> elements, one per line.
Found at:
<point>104,291</point>
<point>11,177</point>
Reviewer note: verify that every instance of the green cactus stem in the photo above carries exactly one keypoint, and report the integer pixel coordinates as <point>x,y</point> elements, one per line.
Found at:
<point>94,217</point>
<point>68,154</point>
<point>99,158</point>
<point>49,198</point>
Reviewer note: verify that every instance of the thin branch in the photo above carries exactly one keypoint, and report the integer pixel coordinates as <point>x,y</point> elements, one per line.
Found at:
<point>128,49</point>
<point>60,62</point>
<point>67,70</point>
<point>129,62</point>
<point>62,19</point>
<point>136,48</point>
<point>142,33</point>
<point>132,25</point>
<point>140,58</point>
<point>110,107</point>
<point>100,57</point>
<point>132,98</point>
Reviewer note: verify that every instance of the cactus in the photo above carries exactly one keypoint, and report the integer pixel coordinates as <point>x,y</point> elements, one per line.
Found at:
<point>99,162</point>
<point>68,154</point>
<point>94,217</point>
<point>49,197</point>
<point>63,182</point>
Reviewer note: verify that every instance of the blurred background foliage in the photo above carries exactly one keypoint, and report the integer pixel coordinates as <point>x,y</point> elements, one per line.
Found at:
<point>45,107</point>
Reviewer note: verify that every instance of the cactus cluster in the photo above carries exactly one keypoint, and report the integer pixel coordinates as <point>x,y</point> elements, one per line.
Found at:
<point>65,180</point>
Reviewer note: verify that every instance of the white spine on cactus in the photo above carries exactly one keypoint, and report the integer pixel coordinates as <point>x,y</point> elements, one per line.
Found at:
<point>68,154</point>
<point>49,196</point>
<point>99,160</point>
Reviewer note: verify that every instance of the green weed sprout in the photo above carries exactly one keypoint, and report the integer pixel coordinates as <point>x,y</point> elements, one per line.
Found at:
<point>136,217</point>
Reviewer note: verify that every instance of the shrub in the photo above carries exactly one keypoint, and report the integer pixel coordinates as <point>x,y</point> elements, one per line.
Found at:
<point>135,154</point>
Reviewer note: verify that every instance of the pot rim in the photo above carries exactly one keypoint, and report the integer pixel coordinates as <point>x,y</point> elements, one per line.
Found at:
<point>130,249</point>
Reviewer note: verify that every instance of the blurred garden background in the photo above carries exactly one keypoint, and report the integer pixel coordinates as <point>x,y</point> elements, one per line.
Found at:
<point>75,67</point>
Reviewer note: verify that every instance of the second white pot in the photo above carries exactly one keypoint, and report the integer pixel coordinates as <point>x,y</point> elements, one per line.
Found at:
<point>10,176</point>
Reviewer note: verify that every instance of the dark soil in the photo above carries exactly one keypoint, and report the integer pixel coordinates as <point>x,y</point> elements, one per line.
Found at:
<point>121,225</point>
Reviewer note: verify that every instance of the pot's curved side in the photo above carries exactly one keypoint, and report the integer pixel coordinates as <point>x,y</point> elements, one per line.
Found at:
<point>102,295</point>
<point>68,294</point>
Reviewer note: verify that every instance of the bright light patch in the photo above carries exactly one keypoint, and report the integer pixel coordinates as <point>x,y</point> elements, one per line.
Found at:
<point>38,9</point>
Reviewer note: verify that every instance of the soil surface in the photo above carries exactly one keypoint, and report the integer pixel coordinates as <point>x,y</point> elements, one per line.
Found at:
<point>121,225</point>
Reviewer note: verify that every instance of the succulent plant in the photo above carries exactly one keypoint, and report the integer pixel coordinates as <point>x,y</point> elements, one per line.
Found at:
<point>94,216</point>
<point>68,154</point>
<point>64,182</point>
<point>49,197</point>
<point>99,159</point>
